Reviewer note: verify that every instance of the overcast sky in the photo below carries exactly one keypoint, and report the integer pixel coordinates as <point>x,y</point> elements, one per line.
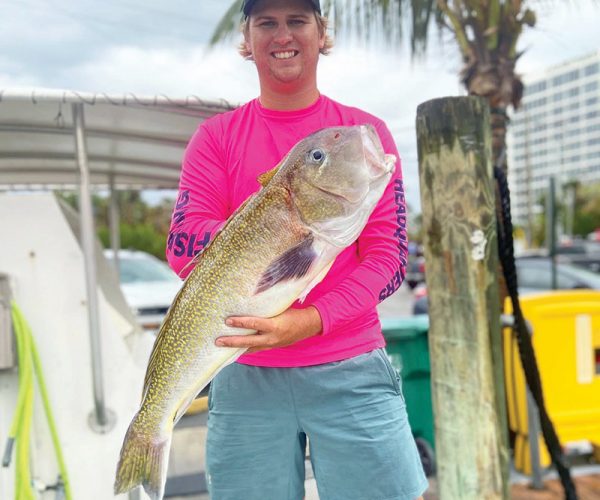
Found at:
<point>159,47</point>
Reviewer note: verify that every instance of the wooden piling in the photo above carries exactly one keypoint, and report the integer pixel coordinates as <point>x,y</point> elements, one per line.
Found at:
<point>459,227</point>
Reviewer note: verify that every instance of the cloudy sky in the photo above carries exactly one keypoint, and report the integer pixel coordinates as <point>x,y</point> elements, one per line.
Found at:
<point>159,47</point>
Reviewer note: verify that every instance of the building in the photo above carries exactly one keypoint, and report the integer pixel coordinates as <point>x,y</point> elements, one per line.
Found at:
<point>555,132</point>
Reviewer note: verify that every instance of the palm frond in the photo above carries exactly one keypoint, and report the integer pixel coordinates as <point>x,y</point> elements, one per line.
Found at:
<point>228,24</point>
<point>421,18</point>
<point>367,20</point>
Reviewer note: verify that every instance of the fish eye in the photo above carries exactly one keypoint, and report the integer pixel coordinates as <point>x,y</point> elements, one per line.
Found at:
<point>316,155</point>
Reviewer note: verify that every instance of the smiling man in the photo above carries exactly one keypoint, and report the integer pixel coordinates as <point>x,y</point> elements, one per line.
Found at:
<point>286,59</point>
<point>319,370</point>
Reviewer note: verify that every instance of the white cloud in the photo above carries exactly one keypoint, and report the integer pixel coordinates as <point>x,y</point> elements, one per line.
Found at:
<point>564,30</point>
<point>220,73</point>
<point>72,47</point>
<point>32,22</point>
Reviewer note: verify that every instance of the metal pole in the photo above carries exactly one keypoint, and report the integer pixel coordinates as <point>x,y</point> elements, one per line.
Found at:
<point>114,216</point>
<point>533,417</point>
<point>551,228</point>
<point>100,419</point>
<point>533,427</point>
<point>528,185</point>
<point>570,189</point>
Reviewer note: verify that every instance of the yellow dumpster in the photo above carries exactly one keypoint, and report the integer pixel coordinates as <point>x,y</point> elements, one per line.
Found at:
<point>566,340</point>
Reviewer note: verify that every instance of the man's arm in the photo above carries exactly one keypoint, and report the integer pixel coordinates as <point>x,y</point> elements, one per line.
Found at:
<point>202,205</point>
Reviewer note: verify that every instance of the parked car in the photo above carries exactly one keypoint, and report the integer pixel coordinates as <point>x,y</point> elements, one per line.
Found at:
<point>581,253</point>
<point>589,259</point>
<point>534,274</point>
<point>148,284</point>
<point>421,303</point>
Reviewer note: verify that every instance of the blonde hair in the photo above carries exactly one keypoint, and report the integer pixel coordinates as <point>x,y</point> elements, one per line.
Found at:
<point>322,23</point>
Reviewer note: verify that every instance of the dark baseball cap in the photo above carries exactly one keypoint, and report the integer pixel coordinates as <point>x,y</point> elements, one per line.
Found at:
<point>249,4</point>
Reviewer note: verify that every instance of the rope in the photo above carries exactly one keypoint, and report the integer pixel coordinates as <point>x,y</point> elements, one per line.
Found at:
<point>528,360</point>
<point>20,432</point>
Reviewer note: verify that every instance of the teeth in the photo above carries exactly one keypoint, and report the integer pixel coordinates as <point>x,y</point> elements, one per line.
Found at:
<point>284,55</point>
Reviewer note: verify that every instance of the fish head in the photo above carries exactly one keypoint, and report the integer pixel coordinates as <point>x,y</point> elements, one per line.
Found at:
<point>337,177</point>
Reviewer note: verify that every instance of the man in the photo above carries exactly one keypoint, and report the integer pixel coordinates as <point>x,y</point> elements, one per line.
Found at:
<point>318,370</point>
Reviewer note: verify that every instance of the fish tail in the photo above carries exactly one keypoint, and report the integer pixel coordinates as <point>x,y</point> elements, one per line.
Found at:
<point>143,461</point>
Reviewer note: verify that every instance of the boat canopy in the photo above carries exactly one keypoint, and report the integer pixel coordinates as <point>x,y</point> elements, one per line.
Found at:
<point>131,142</point>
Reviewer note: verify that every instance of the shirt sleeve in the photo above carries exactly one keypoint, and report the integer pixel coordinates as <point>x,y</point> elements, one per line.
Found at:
<point>202,205</point>
<point>382,249</point>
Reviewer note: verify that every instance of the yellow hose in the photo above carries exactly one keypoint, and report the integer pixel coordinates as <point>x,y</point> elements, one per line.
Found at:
<point>20,432</point>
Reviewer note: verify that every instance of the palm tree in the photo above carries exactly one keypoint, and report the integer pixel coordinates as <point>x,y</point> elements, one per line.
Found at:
<point>486,34</point>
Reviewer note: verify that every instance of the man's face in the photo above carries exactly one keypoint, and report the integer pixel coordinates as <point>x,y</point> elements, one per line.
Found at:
<point>284,39</point>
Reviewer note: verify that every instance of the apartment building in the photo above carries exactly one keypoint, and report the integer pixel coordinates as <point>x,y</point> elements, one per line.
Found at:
<point>555,132</point>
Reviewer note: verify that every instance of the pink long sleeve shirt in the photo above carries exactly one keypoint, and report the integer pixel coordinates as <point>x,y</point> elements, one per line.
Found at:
<point>220,169</point>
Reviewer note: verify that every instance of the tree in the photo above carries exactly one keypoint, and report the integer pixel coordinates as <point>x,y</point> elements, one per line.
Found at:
<point>142,227</point>
<point>586,216</point>
<point>587,209</point>
<point>486,33</point>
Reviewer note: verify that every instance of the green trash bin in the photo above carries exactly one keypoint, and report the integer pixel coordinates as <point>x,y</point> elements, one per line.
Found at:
<point>408,350</point>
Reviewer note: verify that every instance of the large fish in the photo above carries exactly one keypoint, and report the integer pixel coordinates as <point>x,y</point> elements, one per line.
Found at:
<point>273,250</point>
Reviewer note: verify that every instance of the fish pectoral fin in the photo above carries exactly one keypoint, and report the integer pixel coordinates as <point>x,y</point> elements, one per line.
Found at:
<point>293,264</point>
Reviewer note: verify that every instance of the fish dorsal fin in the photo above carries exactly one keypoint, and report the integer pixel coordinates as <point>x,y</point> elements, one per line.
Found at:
<point>293,264</point>
<point>266,177</point>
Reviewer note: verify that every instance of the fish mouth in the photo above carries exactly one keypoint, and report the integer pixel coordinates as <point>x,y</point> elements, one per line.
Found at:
<point>388,166</point>
<point>377,162</point>
<point>348,199</point>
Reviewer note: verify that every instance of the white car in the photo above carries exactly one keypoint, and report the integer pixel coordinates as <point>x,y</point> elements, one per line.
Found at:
<point>148,284</point>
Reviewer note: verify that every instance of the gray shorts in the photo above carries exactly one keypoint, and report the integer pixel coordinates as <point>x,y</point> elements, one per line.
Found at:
<point>352,412</point>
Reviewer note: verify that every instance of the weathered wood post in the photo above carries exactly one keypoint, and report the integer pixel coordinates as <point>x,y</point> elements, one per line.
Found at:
<point>459,227</point>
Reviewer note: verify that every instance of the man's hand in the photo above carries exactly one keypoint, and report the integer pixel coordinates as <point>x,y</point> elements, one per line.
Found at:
<point>290,326</point>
